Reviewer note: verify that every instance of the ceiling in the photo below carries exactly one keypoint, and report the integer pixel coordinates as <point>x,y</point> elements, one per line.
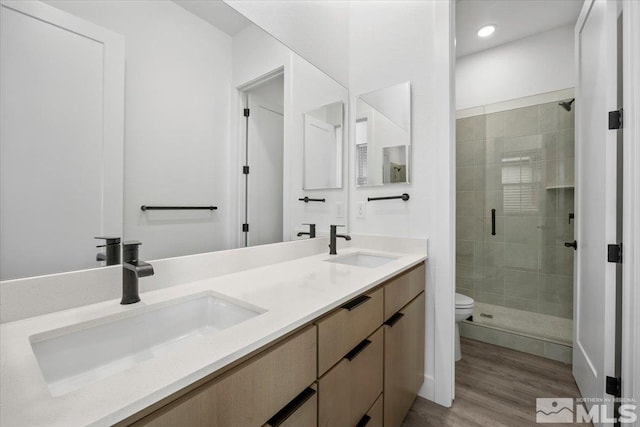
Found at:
<point>514,19</point>
<point>217,13</point>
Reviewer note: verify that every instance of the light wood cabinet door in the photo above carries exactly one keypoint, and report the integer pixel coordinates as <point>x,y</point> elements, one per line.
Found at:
<point>250,394</point>
<point>343,329</point>
<point>404,342</point>
<point>301,411</point>
<point>349,389</point>
<point>402,289</point>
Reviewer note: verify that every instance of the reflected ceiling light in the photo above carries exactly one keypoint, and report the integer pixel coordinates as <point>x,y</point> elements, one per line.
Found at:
<point>486,31</point>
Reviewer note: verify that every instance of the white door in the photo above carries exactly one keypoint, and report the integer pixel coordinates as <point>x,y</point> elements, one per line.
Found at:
<point>266,152</point>
<point>61,139</point>
<point>595,280</point>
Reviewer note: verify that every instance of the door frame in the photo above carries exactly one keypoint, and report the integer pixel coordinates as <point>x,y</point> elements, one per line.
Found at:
<point>631,203</point>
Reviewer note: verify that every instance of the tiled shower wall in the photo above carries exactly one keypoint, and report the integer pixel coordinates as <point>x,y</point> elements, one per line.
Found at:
<point>519,162</point>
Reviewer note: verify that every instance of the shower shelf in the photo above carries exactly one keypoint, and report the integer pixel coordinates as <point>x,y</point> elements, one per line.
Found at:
<point>559,187</point>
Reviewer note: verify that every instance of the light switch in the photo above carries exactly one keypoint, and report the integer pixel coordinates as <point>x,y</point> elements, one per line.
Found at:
<point>362,210</point>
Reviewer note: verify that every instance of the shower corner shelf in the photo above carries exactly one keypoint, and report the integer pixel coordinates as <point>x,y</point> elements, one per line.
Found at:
<point>560,187</point>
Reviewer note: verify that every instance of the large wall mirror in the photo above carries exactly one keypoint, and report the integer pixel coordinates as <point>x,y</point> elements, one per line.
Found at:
<point>323,148</point>
<point>214,120</point>
<point>383,136</point>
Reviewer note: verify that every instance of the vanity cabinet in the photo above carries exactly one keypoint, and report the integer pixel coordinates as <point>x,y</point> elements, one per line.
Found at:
<point>361,364</point>
<point>249,395</point>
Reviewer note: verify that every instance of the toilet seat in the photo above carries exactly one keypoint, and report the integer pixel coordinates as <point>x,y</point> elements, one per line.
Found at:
<point>463,301</point>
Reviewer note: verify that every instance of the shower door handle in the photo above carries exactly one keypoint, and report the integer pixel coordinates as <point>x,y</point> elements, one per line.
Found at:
<point>493,222</point>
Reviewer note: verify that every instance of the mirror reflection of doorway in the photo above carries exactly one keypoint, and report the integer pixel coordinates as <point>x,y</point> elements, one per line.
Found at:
<point>264,155</point>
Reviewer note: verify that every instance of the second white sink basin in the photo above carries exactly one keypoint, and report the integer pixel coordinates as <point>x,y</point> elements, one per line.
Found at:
<point>363,260</point>
<point>70,360</point>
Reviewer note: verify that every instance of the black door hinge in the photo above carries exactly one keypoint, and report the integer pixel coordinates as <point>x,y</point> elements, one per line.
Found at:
<point>246,112</point>
<point>614,386</point>
<point>245,228</point>
<point>245,170</point>
<point>615,119</point>
<point>614,253</point>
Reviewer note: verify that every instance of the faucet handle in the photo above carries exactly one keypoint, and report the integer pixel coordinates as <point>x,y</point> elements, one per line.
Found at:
<point>338,225</point>
<point>132,243</point>
<point>108,241</point>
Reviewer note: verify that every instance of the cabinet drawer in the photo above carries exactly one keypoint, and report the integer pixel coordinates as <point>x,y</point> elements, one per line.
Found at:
<point>373,417</point>
<point>348,390</point>
<point>301,411</point>
<point>250,394</point>
<point>402,289</point>
<point>343,329</point>
<point>403,360</point>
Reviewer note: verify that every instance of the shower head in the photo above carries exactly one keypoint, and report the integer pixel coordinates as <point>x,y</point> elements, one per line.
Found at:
<point>567,104</point>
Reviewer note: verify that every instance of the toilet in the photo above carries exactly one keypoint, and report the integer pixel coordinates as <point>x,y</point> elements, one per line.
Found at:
<point>464,309</point>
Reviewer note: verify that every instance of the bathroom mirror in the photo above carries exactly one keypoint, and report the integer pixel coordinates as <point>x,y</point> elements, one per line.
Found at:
<point>173,178</point>
<point>323,136</point>
<point>383,136</point>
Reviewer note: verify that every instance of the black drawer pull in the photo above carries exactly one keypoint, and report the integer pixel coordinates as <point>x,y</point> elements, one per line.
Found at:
<point>363,421</point>
<point>356,302</point>
<point>357,350</point>
<point>291,407</point>
<point>394,319</point>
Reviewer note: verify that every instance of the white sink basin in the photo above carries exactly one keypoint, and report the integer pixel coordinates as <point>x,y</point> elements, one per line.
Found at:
<point>363,260</point>
<point>73,357</point>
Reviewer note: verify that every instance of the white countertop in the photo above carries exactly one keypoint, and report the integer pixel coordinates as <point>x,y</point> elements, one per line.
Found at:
<point>293,293</point>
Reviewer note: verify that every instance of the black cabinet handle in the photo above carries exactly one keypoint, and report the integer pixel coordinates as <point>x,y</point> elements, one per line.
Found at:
<point>357,350</point>
<point>356,302</point>
<point>493,222</point>
<point>291,407</point>
<point>363,421</point>
<point>573,245</point>
<point>394,319</point>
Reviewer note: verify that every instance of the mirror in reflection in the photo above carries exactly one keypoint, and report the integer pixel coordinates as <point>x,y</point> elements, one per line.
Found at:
<point>383,136</point>
<point>323,135</point>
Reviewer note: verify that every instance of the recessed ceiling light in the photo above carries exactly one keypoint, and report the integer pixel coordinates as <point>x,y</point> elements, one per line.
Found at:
<point>486,31</point>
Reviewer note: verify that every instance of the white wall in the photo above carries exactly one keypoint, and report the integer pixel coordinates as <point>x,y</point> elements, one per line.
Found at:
<point>315,30</point>
<point>178,78</point>
<point>255,54</point>
<point>390,43</point>
<point>537,64</point>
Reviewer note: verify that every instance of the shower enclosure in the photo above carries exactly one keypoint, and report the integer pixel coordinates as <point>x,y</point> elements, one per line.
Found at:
<point>515,179</point>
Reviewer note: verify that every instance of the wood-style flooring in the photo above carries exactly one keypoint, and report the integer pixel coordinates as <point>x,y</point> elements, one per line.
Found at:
<point>496,386</point>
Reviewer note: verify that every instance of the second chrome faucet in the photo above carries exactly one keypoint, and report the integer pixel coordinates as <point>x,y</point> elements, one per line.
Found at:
<point>333,237</point>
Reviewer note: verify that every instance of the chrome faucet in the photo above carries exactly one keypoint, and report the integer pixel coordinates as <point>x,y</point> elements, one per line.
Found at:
<point>333,236</point>
<point>311,233</point>
<point>111,250</point>
<point>132,269</point>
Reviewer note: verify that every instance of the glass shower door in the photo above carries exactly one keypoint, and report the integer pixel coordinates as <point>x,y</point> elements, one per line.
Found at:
<point>515,197</point>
